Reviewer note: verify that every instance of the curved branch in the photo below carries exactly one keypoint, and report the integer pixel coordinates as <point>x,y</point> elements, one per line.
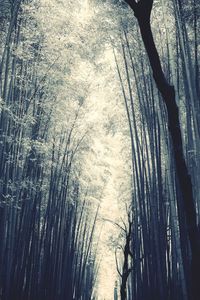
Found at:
<point>116,261</point>
<point>114,223</point>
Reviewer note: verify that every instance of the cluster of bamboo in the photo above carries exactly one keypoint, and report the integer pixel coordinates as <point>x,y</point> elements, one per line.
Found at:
<point>163,252</point>
<point>46,235</point>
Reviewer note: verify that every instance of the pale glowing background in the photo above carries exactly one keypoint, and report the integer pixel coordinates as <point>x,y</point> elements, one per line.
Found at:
<point>102,106</point>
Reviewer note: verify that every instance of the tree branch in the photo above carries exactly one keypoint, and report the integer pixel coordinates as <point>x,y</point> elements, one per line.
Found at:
<point>142,9</point>
<point>118,271</point>
<point>114,223</point>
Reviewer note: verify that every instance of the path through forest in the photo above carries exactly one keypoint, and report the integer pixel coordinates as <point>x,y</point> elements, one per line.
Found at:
<point>99,193</point>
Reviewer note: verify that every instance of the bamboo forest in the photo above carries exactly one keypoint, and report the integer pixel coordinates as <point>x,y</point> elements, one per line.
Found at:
<point>99,150</point>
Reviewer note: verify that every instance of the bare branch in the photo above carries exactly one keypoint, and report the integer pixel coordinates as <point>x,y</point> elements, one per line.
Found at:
<point>125,227</point>
<point>114,223</point>
<point>118,271</point>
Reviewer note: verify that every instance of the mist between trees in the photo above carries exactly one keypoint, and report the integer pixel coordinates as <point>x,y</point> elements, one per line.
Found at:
<point>78,80</point>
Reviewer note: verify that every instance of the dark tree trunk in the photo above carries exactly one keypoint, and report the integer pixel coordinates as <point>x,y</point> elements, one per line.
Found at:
<point>126,270</point>
<point>142,11</point>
